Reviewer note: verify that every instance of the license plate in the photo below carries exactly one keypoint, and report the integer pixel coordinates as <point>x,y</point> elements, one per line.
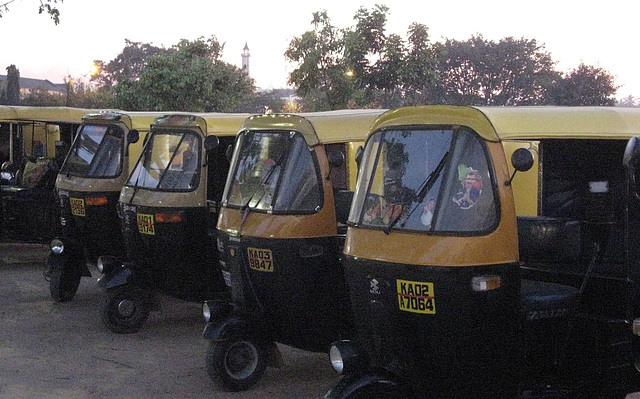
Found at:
<point>260,259</point>
<point>416,297</point>
<point>77,206</point>
<point>145,224</point>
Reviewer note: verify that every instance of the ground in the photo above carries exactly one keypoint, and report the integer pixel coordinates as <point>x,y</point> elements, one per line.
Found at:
<point>54,350</point>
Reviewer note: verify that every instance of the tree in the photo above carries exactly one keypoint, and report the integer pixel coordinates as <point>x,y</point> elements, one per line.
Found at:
<point>190,77</point>
<point>419,74</point>
<point>583,86</point>
<point>629,101</point>
<point>321,71</point>
<point>13,85</point>
<point>46,6</point>
<point>363,66</point>
<point>128,65</point>
<point>40,97</point>
<point>483,72</point>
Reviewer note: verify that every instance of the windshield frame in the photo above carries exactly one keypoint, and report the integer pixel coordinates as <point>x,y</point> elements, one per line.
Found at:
<point>371,165</point>
<point>71,170</point>
<point>139,173</point>
<point>278,181</point>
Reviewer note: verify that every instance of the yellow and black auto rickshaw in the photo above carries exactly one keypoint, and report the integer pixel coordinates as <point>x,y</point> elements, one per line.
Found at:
<point>280,234</point>
<point>33,143</point>
<point>169,207</point>
<point>455,295</point>
<point>88,187</point>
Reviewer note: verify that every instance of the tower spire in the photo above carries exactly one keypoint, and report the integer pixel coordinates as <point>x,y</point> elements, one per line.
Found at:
<point>245,58</point>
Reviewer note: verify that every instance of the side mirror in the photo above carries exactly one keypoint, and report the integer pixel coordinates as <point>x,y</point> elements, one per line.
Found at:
<point>631,161</point>
<point>211,143</point>
<point>229,152</point>
<point>133,136</point>
<point>359,153</point>
<point>335,158</point>
<point>522,160</point>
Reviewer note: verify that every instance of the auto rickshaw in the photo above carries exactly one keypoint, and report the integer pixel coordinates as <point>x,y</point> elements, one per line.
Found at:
<point>280,234</point>
<point>169,207</point>
<point>33,143</point>
<point>457,296</point>
<point>88,187</point>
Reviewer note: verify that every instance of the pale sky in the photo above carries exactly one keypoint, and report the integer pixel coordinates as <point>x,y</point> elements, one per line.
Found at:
<point>603,34</point>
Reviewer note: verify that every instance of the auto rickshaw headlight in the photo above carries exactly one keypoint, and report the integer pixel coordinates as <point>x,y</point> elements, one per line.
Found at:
<point>215,309</point>
<point>106,264</point>
<point>57,246</point>
<point>636,327</point>
<point>346,357</point>
<point>206,311</point>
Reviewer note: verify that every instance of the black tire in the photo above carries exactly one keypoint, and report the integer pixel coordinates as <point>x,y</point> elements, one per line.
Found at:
<point>64,283</point>
<point>124,309</point>
<point>236,364</point>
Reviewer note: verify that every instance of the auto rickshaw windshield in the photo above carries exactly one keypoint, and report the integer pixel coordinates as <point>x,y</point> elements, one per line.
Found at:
<point>96,152</point>
<point>274,171</point>
<point>169,162</point>
<point>436,180</point>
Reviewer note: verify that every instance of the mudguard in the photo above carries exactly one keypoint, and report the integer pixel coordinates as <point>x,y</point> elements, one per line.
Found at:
<point>371,380</point>
<point>121,276</point>
<point>73,256</point>
<point>233,325</point>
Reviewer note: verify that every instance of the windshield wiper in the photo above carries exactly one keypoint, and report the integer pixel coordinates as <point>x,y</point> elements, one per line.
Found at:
<point>422,192</point>
<point>265,180</point>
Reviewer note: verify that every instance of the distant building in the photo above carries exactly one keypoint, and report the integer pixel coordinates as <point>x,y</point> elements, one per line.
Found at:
<point>27,85</point>
<point>245,59</point>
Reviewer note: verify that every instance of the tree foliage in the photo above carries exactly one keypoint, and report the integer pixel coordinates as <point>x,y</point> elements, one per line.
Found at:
<point>12,94</point>
<point>484,72</point>
<point>585,85</point>
<point>321,70</point>
<point>48,7</point>
<point>190,77</point>
<point>364,66</point>
<point>128,65</point>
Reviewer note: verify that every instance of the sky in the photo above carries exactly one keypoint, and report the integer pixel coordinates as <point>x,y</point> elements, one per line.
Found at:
<point>603,34</point>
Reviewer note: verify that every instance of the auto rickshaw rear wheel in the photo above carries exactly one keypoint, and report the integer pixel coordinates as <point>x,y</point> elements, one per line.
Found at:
<point>125,308</point>
<point>64,283</point>
<point>237,363</point>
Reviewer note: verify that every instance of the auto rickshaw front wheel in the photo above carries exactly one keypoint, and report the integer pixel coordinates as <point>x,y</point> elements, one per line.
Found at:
<point>125,308</point>
<point>64,283</point>
<point>236,364</point>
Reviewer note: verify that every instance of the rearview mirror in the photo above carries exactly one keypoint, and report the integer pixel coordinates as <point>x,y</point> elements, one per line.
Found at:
<point>133,136</point>
<point>335,158</point>
<point>521,160</point>
<point>359,153</point>
<point>211,143</point>
<point>229,152</point>
<point>630,160</point>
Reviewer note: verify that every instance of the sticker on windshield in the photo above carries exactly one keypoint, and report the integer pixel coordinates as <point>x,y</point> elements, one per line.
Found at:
<point>260,259</point>
<point>471,182</point>
<point>416,297</point>
<point>77,206</point>
<point>145,224</point>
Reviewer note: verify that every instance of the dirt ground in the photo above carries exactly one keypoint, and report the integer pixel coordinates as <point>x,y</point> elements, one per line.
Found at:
<point>54,350</point>
<point>62,350</point>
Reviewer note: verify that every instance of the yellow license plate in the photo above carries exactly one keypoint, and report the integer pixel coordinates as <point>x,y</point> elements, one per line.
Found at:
<point>77,207</point>
<point>260,259</point>
<point>416,297</point>
<point>145,224</point>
